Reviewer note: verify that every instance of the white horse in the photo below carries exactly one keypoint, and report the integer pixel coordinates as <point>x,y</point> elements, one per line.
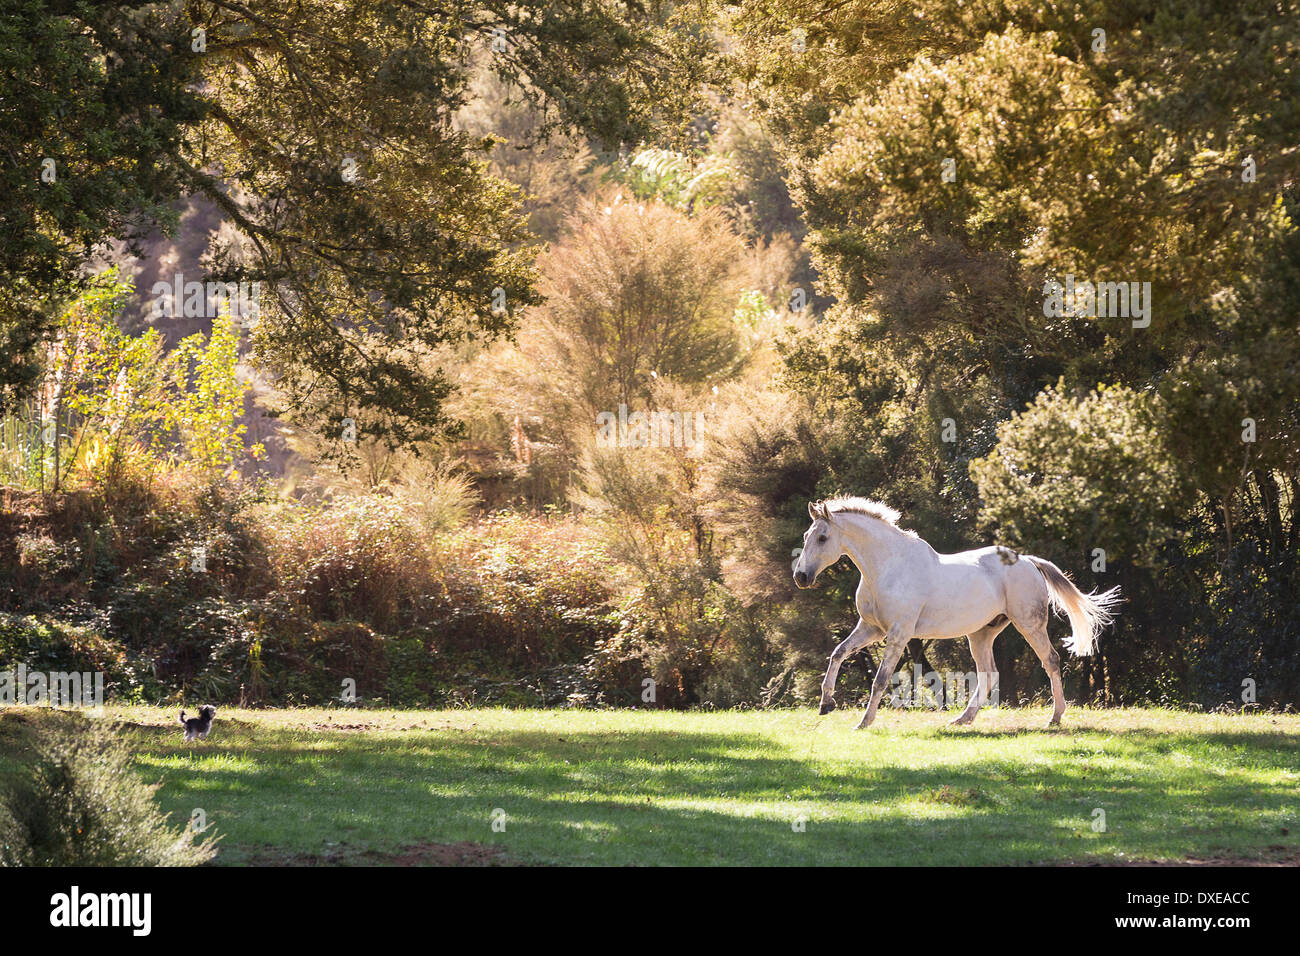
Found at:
<point>910,590</point>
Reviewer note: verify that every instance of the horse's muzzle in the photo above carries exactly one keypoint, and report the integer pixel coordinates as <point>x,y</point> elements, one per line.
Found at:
<point>801,579</point>
<point>827,707</point>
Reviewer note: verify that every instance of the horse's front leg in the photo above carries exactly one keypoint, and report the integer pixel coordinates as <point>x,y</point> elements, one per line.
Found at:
<point>861,635</point>
<point>895,640</point>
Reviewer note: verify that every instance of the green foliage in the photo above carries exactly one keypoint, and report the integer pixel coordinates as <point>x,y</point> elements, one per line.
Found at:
<point>674,178</point>
<point>525,595</point>
<point>56,646</point>
<point>408,600</point>
<point>113,406</point>
<point>1084,473</point>
<point>383,169</point>
<point>1067,159</point>
<point>267,115</point>
<point>207,397</point>
<point>550,169</point>
<point>78,802</point>
<point>1253,634</point>
<point>951,158</point>
<point>376,271</point>
<point>99,91</point>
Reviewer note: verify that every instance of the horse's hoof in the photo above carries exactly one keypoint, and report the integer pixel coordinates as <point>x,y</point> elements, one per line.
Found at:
<point>827,707</point>
<point>960,721</point>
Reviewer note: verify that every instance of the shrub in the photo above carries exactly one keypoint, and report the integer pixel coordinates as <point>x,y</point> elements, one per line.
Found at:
<point>362,558</point>
<point>1253,631</point>
<point>80,804</point>
<point>53,645</point>
<point>533,592</point>
<point>689,634</point>
<point>1085,472</point>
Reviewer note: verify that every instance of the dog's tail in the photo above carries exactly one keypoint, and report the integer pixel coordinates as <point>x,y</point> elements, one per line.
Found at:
<point>1088,613</point>
<point>182,718</point>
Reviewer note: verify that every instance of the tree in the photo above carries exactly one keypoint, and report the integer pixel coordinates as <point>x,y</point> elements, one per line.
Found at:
<point>93,101</point>
<point>1067,152</point>
<point>636,293</point>
<point>325,133</point>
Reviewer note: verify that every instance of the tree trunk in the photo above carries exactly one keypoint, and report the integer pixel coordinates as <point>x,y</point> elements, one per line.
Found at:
<point>1268,492</point>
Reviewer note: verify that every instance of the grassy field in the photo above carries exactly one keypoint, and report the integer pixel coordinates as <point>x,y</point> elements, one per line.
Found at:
<point>653,788</point>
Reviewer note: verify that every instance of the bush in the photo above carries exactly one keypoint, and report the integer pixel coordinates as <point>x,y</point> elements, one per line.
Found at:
<point>522,603</point>
<point>80,804</point>
<point>363,558</point>
<point>1253,632</point>
<point>1090,472</point>
<point>54,645</point>
<point>680,625</point>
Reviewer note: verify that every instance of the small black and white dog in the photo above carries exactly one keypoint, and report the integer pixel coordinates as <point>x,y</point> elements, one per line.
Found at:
<point>200,725</point>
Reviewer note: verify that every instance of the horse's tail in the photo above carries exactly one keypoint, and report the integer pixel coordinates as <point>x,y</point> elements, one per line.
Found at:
<point>1088,613</point>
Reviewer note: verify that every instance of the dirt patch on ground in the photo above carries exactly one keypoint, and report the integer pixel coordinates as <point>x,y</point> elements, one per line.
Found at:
<point>420,854</point>
<point>378,725</point>
<point>1273,856</point>
<point>440,854</point>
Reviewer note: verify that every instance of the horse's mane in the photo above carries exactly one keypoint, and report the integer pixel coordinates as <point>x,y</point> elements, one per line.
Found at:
<point>851,504</point>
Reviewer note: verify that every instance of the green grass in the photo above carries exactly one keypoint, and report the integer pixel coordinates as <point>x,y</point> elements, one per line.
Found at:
<point>651,788</point>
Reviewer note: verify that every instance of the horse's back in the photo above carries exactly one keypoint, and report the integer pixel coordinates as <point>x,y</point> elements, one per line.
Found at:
<point>994,553</point>
<point>1000,562</point>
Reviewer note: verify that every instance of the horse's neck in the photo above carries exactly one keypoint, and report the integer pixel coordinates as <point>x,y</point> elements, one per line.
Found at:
<point>872,544</point>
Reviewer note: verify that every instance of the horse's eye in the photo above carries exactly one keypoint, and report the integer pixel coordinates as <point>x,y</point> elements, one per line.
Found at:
<point>821,539</point>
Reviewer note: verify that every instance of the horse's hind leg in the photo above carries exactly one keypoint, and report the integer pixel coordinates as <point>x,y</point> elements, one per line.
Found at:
<point>1037,637</point>
<point>981,648</point>
<point>1027,608</point>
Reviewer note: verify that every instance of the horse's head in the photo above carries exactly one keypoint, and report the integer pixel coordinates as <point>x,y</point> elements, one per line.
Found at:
<point>821,547</point>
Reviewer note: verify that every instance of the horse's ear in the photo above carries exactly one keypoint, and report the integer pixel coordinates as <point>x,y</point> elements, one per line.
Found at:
<point>816,510</point>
